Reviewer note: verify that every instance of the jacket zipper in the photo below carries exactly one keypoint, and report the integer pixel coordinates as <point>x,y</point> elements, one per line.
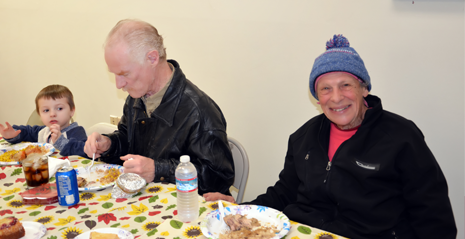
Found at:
<point>328,168</point>
<point>394,234</point>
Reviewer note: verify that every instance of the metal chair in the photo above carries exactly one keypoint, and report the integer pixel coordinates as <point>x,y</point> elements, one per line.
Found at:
<point>101,128</point>
<point>241,167</point>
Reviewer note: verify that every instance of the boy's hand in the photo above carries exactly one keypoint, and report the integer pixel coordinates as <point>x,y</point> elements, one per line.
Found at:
<point>96,143</point>
<point>56,132</point>
<point>8,132</point>
<point>140,165</point>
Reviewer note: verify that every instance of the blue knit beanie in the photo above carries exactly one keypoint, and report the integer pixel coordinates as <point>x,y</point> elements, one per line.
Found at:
<point>339,56</point>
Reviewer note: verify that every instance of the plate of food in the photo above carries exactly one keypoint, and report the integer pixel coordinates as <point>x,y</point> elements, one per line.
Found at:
<point>246,220</point>
<point>101,176</point>
<point>14,154</point>
<point>106,233</point>
<point>28,230</point>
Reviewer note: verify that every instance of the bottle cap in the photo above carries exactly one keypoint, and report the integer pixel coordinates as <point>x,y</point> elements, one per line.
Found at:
<point>185,159</point>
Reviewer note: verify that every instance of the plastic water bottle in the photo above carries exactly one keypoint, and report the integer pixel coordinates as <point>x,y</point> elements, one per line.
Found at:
<point>186,186</point>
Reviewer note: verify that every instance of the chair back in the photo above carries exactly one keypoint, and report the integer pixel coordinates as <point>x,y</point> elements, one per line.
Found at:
<point>34,119</point>
<point>241,167</point>
<point>101,128</point>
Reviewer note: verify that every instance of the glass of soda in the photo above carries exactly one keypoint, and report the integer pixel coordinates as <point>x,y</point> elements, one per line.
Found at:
<point>35,171</point>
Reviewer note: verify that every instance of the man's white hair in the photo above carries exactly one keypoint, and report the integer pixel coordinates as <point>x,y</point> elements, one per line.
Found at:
<point>140,36</point>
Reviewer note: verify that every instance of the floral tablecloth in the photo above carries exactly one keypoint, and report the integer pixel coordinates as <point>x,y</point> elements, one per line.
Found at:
<point>149,214</point>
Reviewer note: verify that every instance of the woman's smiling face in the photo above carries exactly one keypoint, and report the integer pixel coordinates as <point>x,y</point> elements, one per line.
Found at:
<point>341,99</point>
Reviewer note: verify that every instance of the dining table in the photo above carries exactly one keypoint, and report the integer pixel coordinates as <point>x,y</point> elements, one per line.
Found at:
<point>150,213</point>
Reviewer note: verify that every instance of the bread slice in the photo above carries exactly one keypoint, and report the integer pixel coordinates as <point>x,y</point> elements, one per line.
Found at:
<point>99,235</point>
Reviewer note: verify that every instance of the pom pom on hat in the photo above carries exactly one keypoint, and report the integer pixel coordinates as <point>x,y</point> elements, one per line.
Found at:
<point>337,41</point>
<point>339,56</point>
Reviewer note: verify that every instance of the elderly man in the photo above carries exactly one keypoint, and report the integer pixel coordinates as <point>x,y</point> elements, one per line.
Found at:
<point>165,115</point>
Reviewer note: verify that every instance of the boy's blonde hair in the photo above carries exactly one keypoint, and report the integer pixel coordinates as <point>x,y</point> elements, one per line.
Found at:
<point>55,92</point>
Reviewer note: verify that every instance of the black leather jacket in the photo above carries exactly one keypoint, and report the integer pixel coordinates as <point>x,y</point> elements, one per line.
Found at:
<point>187,122</point>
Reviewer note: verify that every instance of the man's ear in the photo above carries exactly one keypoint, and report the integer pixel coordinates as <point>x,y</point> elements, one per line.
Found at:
<point>153,57</point>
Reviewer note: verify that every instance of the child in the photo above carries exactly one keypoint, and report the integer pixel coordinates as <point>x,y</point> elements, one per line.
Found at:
<point>55,106</point>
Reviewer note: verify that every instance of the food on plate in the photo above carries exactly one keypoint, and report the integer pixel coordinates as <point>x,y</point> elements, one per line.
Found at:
<point>11,228</point>
<point>99,235</point>
<point>29,151</point>
<point>237,221</point>
<point>109,176</point>
<point>19,155</point>
<point>259,233</point>
<point>242,227</point>
<point>82,182</point>
<point>6,157</point>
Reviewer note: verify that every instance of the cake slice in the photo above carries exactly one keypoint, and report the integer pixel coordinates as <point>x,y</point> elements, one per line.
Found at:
<point>99,235</point>
<point>11,228</point>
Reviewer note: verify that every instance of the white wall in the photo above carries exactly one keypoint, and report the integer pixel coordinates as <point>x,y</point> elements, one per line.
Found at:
<point>254,58</point>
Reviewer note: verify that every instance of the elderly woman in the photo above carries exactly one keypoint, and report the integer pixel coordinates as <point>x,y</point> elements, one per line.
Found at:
<point>357,170</point>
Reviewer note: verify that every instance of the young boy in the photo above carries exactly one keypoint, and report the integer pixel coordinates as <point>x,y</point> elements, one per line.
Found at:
<point>55,106</point>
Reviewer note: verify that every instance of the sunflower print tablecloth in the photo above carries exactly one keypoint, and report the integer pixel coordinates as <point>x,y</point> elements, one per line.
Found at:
<point>151,213</point>
<point>173,228</point>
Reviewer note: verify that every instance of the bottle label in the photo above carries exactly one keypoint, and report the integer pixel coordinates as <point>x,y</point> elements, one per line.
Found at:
<point>186,185</point>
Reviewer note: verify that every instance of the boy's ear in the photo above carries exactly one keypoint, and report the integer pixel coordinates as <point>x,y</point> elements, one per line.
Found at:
<point>72,111</point>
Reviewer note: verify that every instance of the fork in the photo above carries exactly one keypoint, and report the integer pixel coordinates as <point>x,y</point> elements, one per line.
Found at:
<point>92,164</point>
<point>223,226</point>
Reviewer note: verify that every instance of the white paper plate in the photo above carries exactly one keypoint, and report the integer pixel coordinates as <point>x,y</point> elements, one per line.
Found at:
<point>82,172</point>
<point>20,146</point>
<point>122,234</point>
<point>4,144</point>
<point>210,225</point>
<point>34,230</point>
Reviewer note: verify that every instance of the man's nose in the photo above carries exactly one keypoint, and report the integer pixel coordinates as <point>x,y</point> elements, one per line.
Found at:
<point>120,83</point>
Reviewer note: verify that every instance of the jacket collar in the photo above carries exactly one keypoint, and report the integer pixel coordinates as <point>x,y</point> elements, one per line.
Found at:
<point>170,102</point>
<point>373,113</point>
